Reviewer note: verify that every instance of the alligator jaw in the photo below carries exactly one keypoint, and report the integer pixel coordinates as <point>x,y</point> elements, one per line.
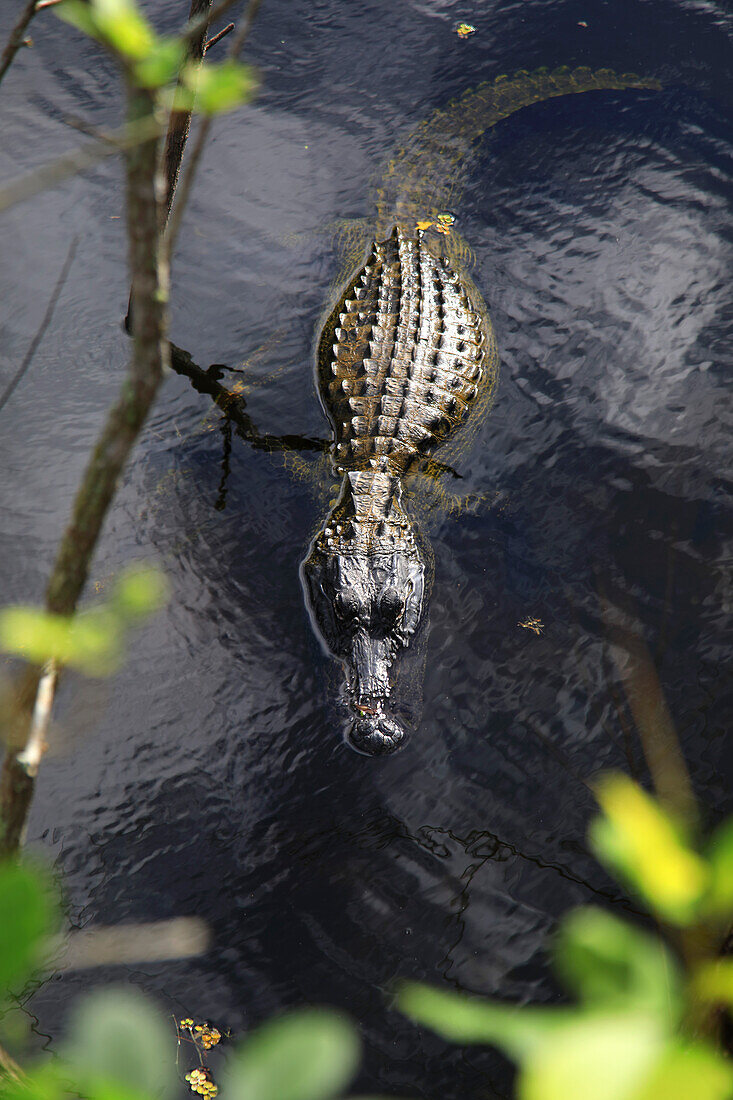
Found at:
<point>374,732</point>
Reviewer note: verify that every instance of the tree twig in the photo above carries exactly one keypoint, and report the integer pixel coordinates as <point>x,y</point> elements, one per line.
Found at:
<point>174,220</point>
<point>218,37</point>
<point>34,344</point>
<point>95,494</point>
<point>180,121</point>
<point>16,39</point>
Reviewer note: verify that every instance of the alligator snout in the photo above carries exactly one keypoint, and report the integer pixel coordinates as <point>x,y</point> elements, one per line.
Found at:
<point>374,732</point>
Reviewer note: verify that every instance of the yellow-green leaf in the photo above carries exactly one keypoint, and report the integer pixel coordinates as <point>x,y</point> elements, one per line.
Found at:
<point>719,900</point>
<point>311,1054</point>
<point>124,27</point>
<point>219,87</point>
<point>79,14</point>
<point>636,838</point>
<point>139,592</point>
<point>596,1057</point>
<point>89,642</point>
<point>463,1019</point>
<point>161,64</point>
<point>694,1072</point>
<point>609,963</point>
<point>713,982</point>
<point>26,917</point>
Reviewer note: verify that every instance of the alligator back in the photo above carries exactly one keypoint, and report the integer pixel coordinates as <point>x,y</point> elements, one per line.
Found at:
<point>403,357</point>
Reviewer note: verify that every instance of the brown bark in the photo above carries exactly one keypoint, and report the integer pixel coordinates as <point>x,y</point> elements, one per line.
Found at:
<point>16,39</point>
<point>180,121</point>
<point>124,422</point>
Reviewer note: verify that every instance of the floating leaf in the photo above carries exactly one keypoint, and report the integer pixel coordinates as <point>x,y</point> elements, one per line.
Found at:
<point>461,1019</point>
<point>26,918</point>
<point>607,962</point>
<point>119,1038</point>
<point>645,846</point>
<point>308,1055</point>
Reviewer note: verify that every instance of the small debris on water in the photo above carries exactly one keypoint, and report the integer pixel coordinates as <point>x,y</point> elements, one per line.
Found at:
<point>464,30</point>
<point>441,224</point>
<point>582,23</point>
<point>535,625</point>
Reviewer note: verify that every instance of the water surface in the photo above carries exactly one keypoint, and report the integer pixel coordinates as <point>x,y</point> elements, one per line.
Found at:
<point>215,781</point>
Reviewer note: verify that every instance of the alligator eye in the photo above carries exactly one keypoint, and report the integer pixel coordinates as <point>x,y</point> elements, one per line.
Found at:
<point>391,604</point>
<point>346,605</point>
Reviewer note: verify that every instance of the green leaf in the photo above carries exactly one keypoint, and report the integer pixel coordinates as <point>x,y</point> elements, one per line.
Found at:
<point>161,64</point>
<point>89,641</point>
<point>461,1019</point>
<point>44,1081</point>
<point>599,1056</point>
<point>79,14</point>
<point>609,963</point>
<point>119,1041</point>
<point>713,982</point>
<point>637,839</point>
<point>219,87</point>
<point>696,1072</point>
<point>139,592</point>
<point>719,900</point>
<point>26,916</point>
<point>308,1055</point>
<point>124,28</point>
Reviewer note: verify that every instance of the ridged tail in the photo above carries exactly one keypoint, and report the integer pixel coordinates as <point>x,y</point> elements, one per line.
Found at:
<point>424,176</point>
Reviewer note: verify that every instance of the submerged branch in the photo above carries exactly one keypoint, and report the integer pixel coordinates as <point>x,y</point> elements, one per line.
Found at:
<point>233,406</point>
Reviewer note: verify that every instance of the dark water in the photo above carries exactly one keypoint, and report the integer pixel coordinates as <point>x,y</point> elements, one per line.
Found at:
<point>216,782</point>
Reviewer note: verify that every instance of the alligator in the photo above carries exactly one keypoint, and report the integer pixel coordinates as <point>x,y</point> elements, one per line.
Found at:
<point>405,357</point>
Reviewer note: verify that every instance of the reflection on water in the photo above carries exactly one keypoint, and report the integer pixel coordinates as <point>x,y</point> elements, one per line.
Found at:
<point>217,783</point>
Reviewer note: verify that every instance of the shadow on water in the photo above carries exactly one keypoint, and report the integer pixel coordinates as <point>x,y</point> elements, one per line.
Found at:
<point>218,782</point>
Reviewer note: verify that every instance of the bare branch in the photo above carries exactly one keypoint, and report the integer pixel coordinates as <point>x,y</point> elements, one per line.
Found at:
<point>180,121</point>
<point>115,945</point>
<point>96,492</point>
<point>16,40</point>
<point>218,37</point>
<point>174,220</point>
<point>34,344</point>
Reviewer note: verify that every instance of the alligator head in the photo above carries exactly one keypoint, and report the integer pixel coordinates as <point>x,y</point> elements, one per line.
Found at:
<point>365,580</point>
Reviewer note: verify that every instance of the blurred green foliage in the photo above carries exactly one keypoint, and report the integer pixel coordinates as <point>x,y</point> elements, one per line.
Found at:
<point>644,1022</point>
<point>119,1046</point>
<point>93,640</point>
<point>155,61</point>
